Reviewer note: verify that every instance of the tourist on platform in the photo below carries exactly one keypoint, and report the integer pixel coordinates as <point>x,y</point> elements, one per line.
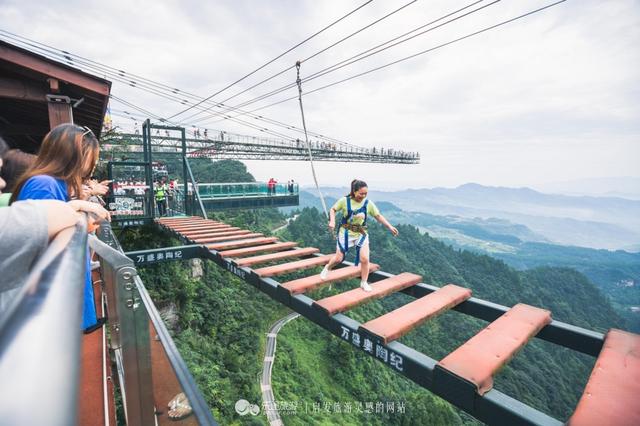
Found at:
<point>355,208</point>
<point>160,192</point>
<point>271,186</point>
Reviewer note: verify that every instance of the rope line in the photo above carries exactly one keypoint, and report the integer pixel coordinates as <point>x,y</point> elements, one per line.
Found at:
<point>304,126</point>
<point>274,59</point>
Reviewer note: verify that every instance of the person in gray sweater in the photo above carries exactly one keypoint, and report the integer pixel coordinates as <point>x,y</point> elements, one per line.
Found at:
<point>26,227</point>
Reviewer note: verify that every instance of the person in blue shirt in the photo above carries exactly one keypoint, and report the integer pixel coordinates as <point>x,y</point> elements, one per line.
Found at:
<point>67,157</point>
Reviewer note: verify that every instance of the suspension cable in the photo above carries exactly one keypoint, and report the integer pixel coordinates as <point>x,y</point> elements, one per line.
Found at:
<point>343,39</point>
<point>274,59</point>
<point>304,126</point>
<point>413,55</point>
<point>366,53</point>
<point>147,85</point>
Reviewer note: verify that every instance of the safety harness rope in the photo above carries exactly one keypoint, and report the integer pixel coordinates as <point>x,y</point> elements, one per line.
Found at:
<point>306,138</point>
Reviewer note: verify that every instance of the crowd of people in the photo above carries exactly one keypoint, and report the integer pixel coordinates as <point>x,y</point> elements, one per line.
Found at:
<point>41,196</point>
<point>272,186</point>
<point>48,191</point>
<point>328,146</point>
<point>164,191</point>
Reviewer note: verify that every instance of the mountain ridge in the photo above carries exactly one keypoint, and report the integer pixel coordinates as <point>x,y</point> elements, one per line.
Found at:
<point>595,222</point>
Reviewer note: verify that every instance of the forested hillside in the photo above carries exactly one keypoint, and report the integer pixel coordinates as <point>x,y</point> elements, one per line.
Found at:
<point>543,375</point>
<point>615,273</point>
<point>219,324</point>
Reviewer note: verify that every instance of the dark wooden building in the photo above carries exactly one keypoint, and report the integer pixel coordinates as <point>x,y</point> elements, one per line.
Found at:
<point>38,93</point>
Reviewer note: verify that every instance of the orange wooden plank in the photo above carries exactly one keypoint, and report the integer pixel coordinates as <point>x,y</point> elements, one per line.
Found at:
<point>207,232</point>
<point>397,323</point>
<point>188,222</point>
<point>611,394</point>
<point>178,219</point>
<point>220,233</point>
<point>202,227</point>
<point>197,222</point>
<point>484,354</point>
<point>192,226</point>
<point>259,249</point>
<point>187,225</point>
<point>347,300</point>
<point>242,243</point>
<point>271,271</point>
<point>312,282</point>
<point>226,238</point>
<point>248,261</point>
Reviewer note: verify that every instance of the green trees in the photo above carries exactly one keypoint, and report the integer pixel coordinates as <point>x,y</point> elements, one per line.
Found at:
<point>222,320</point>
<point>543,375</point>
<point>222,171</point>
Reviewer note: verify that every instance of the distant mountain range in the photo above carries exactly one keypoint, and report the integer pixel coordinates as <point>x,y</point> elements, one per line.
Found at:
<point>611,223</point>
<point>544,240</point>
<point>625,187</point>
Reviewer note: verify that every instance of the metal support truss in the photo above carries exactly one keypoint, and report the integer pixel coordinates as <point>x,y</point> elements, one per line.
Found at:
<point>239,147</point>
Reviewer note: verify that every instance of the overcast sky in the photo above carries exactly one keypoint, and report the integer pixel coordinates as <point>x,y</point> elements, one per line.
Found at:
<point>552,97</point>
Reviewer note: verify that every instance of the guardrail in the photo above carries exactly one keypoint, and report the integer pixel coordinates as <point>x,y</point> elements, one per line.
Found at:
<point>244,189</point>
<point>40,337</point>
<point>150,368</point>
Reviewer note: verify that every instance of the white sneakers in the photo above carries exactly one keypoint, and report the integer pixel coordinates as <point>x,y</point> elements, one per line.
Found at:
<point>324,273</point>
<point>365,286</point>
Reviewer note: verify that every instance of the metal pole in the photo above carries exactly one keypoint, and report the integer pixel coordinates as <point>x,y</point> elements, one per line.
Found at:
<point>146,141</point>
<point>130,332</point>
<point>136,350</point>
<point>184,168</point>
<point>195,187</point>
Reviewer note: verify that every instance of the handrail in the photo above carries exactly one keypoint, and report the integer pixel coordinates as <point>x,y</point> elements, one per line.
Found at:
<point>119,272</point>
<point>208,191</point>
<point>40,337</point>
<point>242,183</point>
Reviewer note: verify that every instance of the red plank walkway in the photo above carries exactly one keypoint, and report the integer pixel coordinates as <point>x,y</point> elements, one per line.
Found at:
<point>610,396</point>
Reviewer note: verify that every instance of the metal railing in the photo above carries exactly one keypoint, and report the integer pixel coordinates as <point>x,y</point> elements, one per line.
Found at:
<point>229,145</point>
<point>151,369</point>
<point>40,337</point>
<point>244,189</point>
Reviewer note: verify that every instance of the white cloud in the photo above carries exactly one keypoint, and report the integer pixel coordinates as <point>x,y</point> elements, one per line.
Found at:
<point>548,98</point>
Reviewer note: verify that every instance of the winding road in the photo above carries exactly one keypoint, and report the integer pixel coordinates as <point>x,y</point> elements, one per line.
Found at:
<point>289,220</point>
<point>268,401</point>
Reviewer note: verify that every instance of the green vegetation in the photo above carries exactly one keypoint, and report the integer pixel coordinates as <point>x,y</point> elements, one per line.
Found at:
<point>221,324</point>
<point>219,327</point>
<point>616,273</point>
<point>223,171</point>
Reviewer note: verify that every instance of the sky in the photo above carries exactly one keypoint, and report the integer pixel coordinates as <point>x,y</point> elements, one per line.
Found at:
<point>553,97</point>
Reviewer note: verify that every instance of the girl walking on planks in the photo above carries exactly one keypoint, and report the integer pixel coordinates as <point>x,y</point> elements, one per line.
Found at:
<point>355,209</point>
